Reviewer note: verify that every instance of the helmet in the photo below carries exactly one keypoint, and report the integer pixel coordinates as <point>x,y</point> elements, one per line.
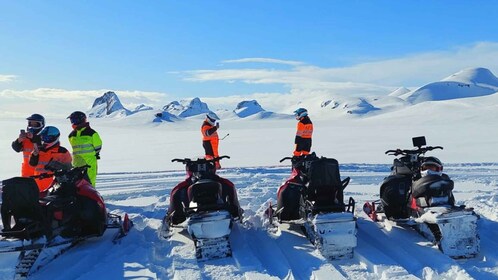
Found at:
<point>301,112</point>
<point>77,118</point>
<point>211,118</point>
<point>431,166</point>
<point>49,136</point>
<point>36,123</point>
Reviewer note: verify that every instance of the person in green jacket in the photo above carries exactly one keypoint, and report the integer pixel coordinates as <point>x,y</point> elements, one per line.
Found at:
<point>86,144</point>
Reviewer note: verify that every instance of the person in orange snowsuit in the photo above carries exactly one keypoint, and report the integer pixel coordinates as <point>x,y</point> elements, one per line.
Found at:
<point>304,132</point>
<point>210,139</point>
<point>50,150</point>
<point>24,143</point>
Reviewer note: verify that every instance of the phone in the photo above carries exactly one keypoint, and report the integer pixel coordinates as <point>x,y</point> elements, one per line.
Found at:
<point>23,131</point>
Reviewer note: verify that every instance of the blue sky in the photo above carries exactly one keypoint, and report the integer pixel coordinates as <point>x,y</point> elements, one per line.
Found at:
<point>219,48</point>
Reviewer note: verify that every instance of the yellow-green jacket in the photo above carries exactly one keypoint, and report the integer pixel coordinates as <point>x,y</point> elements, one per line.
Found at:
<point>86,144</point>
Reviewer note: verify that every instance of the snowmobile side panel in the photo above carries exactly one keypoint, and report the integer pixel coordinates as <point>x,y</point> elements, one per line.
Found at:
<point>454,229</point>
<point>334,234</point>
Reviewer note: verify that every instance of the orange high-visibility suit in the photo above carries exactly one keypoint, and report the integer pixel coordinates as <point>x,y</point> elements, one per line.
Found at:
<point>210,141</point>
<point>303,136</point>
<point>26,147</point>
<point>55,153</point>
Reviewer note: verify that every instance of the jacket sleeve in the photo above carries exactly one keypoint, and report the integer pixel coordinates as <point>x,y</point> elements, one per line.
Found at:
<point>212,130</point>
<point>16,146</point>
<point>97,142</point>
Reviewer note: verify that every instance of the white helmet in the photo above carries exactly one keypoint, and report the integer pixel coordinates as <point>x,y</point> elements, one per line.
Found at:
<point>431,166</point>
<point>211,118</point>
<point>300,112</point>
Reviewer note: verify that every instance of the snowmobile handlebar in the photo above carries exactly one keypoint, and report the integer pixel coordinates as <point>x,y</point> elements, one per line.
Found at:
<point>59,172</point>
<point>418,151</point>
<point>285,158</point>
<point>200,160</point>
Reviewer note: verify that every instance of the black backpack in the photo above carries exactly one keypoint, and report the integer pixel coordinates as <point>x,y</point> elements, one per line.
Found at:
<point>324,186</point>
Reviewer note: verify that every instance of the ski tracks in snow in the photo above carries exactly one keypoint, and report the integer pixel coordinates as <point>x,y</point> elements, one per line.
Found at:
<point>398,253</point>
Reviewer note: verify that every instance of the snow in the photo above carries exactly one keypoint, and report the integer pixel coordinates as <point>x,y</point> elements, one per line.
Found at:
<point>136,176</point>
<point>466,83</point>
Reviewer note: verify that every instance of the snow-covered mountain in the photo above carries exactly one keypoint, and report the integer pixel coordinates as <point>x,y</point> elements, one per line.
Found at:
<point>142,107</point>
<point>251,108</point>
<point>471,82</point>
<point>187,108</point>
<point>399,91</point>
<point>247,108</point>
<point>108,105</point>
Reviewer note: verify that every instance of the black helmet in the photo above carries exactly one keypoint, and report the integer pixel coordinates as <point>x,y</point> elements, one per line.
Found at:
<point>77,118</point>
<point>432,163</point>
<point>36,123</point>
<point>49,136</point>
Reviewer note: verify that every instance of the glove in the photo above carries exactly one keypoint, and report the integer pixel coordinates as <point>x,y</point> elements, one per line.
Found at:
<point>97,155</point>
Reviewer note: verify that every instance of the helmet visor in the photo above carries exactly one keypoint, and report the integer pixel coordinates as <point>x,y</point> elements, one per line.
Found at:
<point>76,120</point>
<point>432,167</point>
<point>35,124</point>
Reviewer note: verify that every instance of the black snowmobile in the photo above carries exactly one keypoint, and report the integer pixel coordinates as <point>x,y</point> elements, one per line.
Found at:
<point>314,197</point>
<point>426,202</point>
<point>208,203</point>
<point>68,213</point>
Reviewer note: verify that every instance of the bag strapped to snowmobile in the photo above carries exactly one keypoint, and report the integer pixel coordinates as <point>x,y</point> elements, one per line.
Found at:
<point>325,187</point>
<point>20,201</point>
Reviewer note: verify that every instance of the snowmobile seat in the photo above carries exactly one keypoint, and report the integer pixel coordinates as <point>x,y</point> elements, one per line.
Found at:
<point>433,190</point>
<point>324,186</point>
<point>207,194</point>
<point>288,200</point>
<point>20,199</point>
<point>394,195</point>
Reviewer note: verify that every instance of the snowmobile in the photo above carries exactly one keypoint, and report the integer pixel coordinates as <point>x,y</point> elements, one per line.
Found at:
<point>70,212</point>
<point>314,198</point>
<point>426,203</point>
<point>209,205</point>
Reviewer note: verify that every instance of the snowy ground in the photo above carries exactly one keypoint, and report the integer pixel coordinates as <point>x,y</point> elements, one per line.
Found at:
<point>382,253</point>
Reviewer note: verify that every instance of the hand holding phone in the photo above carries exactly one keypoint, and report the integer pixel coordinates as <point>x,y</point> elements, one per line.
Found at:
<point>22,135</point>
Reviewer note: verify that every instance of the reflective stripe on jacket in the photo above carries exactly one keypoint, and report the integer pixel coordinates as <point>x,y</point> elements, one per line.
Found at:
<point>55,153</point>
<point>86,143</point>
<point>26,146</point>
<point>304,128</point>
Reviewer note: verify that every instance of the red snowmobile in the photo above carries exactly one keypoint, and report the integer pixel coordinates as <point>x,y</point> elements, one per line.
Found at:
<point>68,213</point>
<point>418,194</point>
<point>208,203</point>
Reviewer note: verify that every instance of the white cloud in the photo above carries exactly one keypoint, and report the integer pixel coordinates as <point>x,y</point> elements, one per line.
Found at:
<point>7,78</point>
<point>263,60</point>
<point>410,71</point>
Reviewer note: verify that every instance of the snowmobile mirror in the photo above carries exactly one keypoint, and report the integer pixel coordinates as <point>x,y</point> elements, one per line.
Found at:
<point>419,141</point>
